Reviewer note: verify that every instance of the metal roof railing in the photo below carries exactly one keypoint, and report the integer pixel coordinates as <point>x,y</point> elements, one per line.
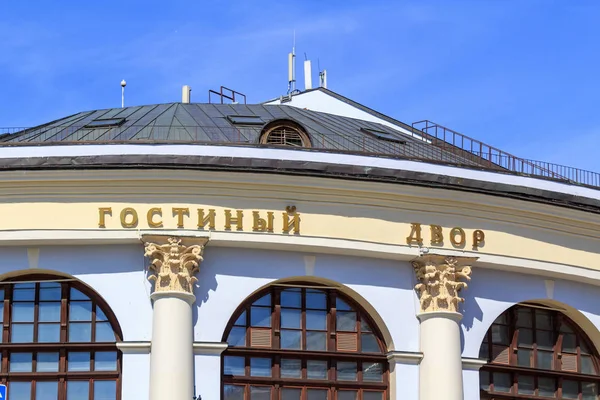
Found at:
<point>439,145</point>
<point>457,143</point>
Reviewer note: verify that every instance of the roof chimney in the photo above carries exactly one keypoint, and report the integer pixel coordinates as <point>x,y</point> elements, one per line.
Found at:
<point>186,94</point>
<point>307,75</point>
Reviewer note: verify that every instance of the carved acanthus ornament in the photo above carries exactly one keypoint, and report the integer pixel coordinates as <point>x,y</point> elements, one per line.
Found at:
<point>174,265</point>
<point>440,280</point>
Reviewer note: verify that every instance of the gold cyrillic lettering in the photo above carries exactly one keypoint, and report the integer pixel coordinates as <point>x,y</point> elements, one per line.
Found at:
<point>209,219</point>
<point>102,212</point>
<point>134,217</point>
<point>291,219</point>
<point>150,216</point>
<point>478,238</point>
<point>238,220</point>
<point>181,212</point>
<point>457,232</point>
<point>437,236</point>
<point>262,225</point>
<point>415,234</point>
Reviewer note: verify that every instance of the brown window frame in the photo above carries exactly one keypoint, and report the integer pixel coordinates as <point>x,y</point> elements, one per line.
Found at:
<point>331,355</point>
<point>291,128</point>
<point>557,374</point>
<point>63,346</point>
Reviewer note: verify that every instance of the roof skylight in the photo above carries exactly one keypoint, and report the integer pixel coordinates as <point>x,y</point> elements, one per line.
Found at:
<point>245,119</point>
<point>105,123</point>
<point>382,135</point>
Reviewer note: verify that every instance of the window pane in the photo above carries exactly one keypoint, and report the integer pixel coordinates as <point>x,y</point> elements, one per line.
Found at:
<point>369,343</point>
<point>316,369</point>
<point>346,321</point>
<point>105,390</point>
<point>544,359</point>
<point>500,334</point>
<point>105,361</point>
<point>49,312</point>
<point>525,337</point>
<point>80,311</point>
<point>547,387</point>
<point>290,394</point>
<point>291,318</point>
<point>80,332</point>
<point>570,389</point>
<point>291,339</point>
<point>22,333</point>
<point>316,341</point>
<point>77,295</point>
<point>50,291</point>
<point>346,371</point>
<point>49,333</point>
<point>232,392</point>
<point>316,299</point>
<point>484,350</point>
<point>372,372</point>
<point>524,319</point>
<point>341,305</point>
<point>21,362</point>
<point>234,366</point>
<point>502,382</point>
<point>79,361</point>
<point>24,292</point>
<point>263,301</point>
<point>369,395</point>
<point>545,340</point>
<point>241,321</point>
<point>260,316</point>
<point>524,358</point>
<point>237,337</point>
<point>47,362</point>
<point>316,320</point>
<point>104,332</point>
<point>589,390</point>
<point>347,395</point>
<point>78,390</point>
<point>543,320</point>
<point>1,306</point>
<point>46,391</point>
<point>23,312</point>
<point>526,385</point>
<point>291,368</point>
<point>316,394</point>
<point>569,343</point>
<point>291,298</point>
<point>587,366</point>
<point>364,325</point>
<point>260,367</point>
<point>260,393</point>
<point>484,380</point>
<point>19,391</point>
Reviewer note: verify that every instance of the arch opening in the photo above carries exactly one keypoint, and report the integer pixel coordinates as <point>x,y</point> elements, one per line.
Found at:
<point>304,338</point>
<point>540,349</point>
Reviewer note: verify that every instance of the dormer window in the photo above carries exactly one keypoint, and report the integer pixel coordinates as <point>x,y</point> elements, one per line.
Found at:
<point>285,133</point>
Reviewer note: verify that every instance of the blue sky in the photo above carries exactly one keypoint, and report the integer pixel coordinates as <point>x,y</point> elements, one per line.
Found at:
<point>522,75</point>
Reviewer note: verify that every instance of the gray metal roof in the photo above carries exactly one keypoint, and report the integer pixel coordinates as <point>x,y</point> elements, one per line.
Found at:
<point>210,123</point>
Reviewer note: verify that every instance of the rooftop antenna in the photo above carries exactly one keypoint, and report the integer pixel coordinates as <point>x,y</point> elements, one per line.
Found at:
<point>123,84</point>
<point>322,75</point>
<point>292,68</point>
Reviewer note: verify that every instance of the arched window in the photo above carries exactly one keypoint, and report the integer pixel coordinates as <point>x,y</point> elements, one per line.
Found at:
<point>303,343</point>
<point>58,341</point>
<point>284,133</point>
<point>534,352</point>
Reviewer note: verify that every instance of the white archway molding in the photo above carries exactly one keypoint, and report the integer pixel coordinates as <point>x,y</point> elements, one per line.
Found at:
<point>491,293</point>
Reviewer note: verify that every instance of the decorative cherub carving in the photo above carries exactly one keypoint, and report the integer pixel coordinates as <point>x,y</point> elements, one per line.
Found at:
<point>173,265</point>
<point>439,283</point>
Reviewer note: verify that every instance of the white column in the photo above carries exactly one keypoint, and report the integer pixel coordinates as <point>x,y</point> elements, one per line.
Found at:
<point>438,286</point>
<point>171,351</point>
<point>173,266</point>
<point>440,371</point>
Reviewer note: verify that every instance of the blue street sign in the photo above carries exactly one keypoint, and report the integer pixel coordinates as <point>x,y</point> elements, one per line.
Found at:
<point>2,392</point>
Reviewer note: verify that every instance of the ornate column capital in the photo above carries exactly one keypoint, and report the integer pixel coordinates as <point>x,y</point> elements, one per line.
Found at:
<point>173,263</point>
<point>440,280</point>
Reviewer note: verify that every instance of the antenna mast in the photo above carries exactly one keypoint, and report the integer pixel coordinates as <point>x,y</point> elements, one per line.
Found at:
<point>292,68</point>
<point>123,84</point>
